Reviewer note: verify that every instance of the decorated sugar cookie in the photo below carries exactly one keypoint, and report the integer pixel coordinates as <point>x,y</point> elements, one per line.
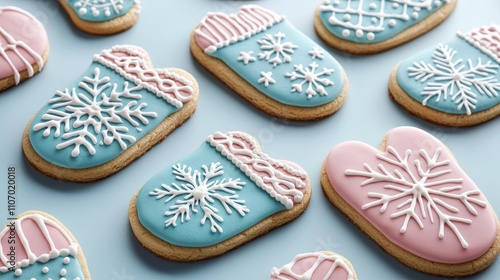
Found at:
<point>24,46</point>
<point>456,83</point>
<point>116,111</point>
<point>372,26</point>
<point>322,265</point>
<point>223,195</point>
<point>413,199</point>
<point>37,246</point>
<point>262,57</point>
<point>103,17</point>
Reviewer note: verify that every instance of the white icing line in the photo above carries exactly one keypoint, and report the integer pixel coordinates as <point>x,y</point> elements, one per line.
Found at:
<point>137,56</point>
<point>480,37</point>
<point>42,223</point>
<point>221,29</point>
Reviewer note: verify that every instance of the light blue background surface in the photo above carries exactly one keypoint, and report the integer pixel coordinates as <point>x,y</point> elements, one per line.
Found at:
<point>96,213</point>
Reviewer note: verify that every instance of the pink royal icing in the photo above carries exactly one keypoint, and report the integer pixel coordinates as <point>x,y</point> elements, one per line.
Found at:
<point>37,238</point>
<point>283,180</point>
<point>416,194</point>
<point>130,62</point>
<point>23,41</point>
<point>314,266</point>
<point>217,30</point>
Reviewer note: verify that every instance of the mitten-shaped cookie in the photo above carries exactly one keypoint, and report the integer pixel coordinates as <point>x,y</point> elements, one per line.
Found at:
<point>413,199</point>
<point>223,195</point>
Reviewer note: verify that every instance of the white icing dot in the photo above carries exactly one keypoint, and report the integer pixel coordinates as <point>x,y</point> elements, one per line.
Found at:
<point>45,269</point>
<point>18,272</point>
<point>82,11</point>
<point>66,260</point>
<point>370,36</point>
<point>373,6</point>
<point>359,33</point>
<point>392,22</point>
<point>395,5</point>
<point>336,2</point>
<point>374,20</point>
<point>346,32</point>
<point>347,17</point>
<point>414,15</point>
<point>95,13</point>
<point>62,272</point>
<point>437,3</point>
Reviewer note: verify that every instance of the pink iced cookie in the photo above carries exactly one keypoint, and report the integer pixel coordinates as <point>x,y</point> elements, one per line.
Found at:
<point>24,46</point>
<point>315,266</point>
<point>414,200</point>
<point>35,245</point>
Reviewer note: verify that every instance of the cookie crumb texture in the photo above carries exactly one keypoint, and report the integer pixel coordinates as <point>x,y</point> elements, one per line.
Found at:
<point>220,197</point>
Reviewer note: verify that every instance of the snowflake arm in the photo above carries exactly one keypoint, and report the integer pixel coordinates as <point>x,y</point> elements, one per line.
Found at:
<point>201,190</point>
<point>273,49</point>
<point>315,84</point>
<point>451,78</point>
<point>246,57</point>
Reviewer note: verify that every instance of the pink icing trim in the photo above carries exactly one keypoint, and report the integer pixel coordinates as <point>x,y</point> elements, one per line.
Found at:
<point>284,181</point>
<point>485,38</point>
<point>23,41</point>
<point>130,62</point>
<point>37,238</point>
<point>217,30</point>
<point>314,266</point>
<point>346,161</point>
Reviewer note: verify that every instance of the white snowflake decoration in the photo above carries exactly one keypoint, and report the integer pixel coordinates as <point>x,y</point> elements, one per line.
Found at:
<point>315,84</point>
<point>246,57</point>
<point>423,189</point>
<point>94,112</point>
<point>201,190</point>
<point>453,80</point>
<point>273,49</point>
<point>266,78</point>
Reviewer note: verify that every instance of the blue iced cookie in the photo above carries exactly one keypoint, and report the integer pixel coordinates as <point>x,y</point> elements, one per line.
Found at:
<point>117,110</point>
<point>37,246</point>
<point>372,26</point>
<point>223,195</point>
<point>454,83</point>
<point>103,17</point>
<point>262,57</point>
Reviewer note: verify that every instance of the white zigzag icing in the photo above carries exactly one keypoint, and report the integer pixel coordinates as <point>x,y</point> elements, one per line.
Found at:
<point>280,180</point>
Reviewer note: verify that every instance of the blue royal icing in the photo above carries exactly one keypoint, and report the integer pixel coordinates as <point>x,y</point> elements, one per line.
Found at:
<point>376,20</point>
<point>455,78</point>
<point>105,111</point>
